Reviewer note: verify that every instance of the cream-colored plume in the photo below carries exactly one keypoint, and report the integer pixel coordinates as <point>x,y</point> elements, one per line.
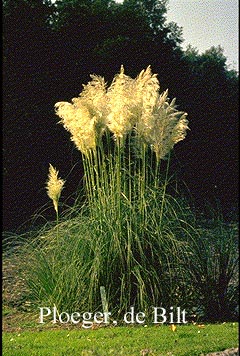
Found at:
<point>85,118</point>
<point>54,186</point>
<point>170,126</point>
<point>127,103</point>
<point>120,99</point>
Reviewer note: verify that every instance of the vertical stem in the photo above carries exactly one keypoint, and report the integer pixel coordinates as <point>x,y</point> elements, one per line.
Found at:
<point>129,170</point>
<point>92,173</point>
<point>143,184</point>
<point>157,169</point>
<point>103,176</point>
<point>118,168</point>
<point>110,167</point>
<point>57,222</point>
<point>164,189</point>
<point>96,172</point>
<point>87,179</point>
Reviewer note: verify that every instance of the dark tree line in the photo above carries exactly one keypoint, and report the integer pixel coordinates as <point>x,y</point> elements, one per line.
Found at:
<point>49,50</point>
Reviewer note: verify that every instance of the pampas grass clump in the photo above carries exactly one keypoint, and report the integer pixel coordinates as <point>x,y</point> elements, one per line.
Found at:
<point>130,236</point>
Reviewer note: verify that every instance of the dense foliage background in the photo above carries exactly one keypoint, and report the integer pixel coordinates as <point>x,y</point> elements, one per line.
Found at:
<point>49,50</point>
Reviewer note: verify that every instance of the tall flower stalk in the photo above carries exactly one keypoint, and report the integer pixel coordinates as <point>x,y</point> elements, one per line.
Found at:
<point>54,188</point>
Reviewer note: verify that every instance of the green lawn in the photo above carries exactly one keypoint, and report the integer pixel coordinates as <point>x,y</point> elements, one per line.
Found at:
<point>190,340</point>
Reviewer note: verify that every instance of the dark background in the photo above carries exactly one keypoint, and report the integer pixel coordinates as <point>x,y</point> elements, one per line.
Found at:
<point>50,51</point>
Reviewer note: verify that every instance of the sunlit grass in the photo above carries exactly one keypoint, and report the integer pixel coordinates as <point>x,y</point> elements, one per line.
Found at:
<point>189,340</point>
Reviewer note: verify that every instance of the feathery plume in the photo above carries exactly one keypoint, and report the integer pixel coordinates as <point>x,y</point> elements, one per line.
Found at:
<point>128,103</point>
<point>54,186</point>
<point>162,125</point>
<point>170,127</point>
<point>147,87</point>
<point>77,119</point>
<point>120,119</point>
<point>94,98</point>
<point>85,118</point>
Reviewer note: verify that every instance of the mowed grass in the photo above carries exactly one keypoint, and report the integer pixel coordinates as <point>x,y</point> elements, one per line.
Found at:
<point>191,340</point>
